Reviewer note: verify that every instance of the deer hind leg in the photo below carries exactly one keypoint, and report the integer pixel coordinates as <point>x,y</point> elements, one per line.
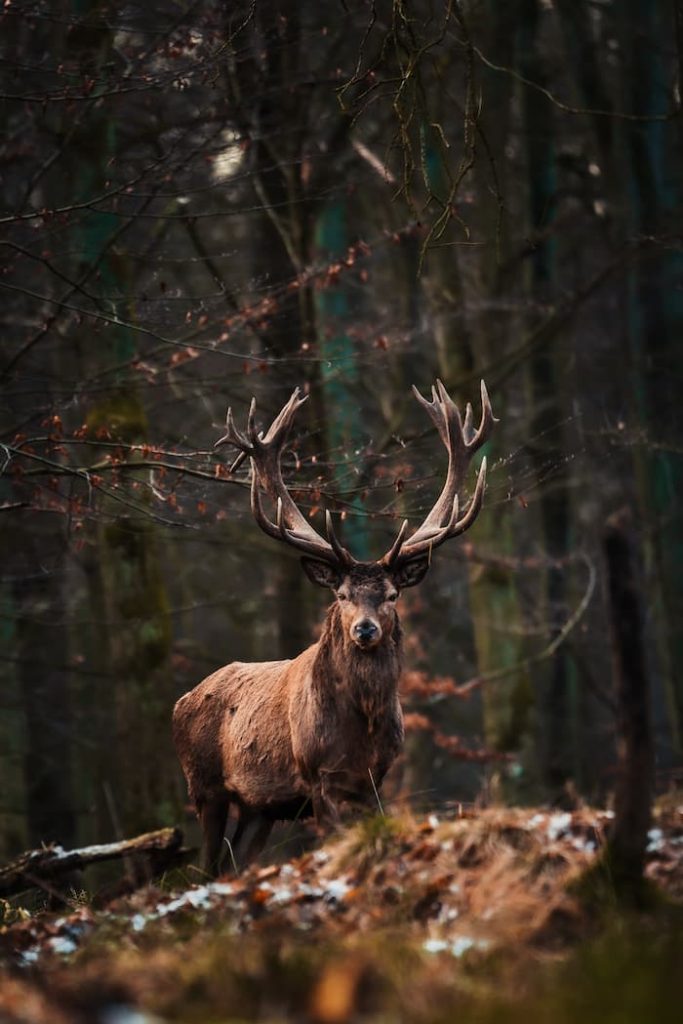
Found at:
<point>246,847</point>
<point>213,816</point>
<point>258,839</point>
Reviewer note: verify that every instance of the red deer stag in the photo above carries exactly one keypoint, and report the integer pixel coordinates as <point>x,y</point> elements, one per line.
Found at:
<point>278,739</point>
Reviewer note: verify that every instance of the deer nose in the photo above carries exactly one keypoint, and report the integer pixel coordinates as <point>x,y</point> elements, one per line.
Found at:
<point>365,630</point>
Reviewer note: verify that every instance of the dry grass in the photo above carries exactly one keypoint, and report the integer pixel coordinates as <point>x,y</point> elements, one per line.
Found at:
<point>392,920</point>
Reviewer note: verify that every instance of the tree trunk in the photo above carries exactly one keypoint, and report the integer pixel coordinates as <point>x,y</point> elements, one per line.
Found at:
<point>552,679</point>
<point>625,852</point>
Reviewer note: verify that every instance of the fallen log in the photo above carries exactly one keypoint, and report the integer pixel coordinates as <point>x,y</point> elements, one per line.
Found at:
<point>42,868</point>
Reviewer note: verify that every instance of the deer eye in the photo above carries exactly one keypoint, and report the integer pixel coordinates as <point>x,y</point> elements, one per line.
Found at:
<point>392,597</point>
<point>342,597</point>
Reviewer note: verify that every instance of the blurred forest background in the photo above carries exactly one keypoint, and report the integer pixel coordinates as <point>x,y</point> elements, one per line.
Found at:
<point>205,201</point>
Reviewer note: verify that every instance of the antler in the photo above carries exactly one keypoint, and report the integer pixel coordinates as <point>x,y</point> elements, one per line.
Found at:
<point>265,453</point>
<point>461,441</point>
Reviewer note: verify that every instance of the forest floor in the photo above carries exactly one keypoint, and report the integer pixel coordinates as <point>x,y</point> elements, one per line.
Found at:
<point>482,917</point>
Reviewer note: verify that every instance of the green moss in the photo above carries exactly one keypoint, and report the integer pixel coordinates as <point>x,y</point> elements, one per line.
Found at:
<point>516,728</point>
<point>138,593</point>
<point>122,416</point>
<point>371,840</point>
<point>377,831</point>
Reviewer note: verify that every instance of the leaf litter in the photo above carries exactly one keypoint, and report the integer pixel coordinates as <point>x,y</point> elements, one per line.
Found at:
<point>454,890</point>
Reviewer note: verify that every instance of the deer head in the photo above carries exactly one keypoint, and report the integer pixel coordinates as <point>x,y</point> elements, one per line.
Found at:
<point>365,592</point>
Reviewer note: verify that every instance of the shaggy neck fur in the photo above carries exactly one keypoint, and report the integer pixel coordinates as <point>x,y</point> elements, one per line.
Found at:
<point>369,677</point>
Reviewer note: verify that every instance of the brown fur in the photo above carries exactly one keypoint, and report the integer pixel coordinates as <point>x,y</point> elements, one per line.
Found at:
<point>280,739</point>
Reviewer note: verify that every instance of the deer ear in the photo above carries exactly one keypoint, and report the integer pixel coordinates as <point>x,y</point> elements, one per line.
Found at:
<point>411,573</point>
<point>321,573</point>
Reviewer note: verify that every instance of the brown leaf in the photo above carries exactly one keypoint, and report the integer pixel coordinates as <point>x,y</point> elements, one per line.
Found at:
<point>334,997</point>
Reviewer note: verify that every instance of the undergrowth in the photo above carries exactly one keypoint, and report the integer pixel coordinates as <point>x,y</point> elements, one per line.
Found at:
<point>500,917</point>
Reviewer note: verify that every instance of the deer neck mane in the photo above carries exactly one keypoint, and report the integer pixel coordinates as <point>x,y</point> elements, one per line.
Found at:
<point>369,678</point>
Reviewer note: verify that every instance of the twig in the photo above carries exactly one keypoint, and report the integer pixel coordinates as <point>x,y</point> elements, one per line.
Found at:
<point>374,788</point>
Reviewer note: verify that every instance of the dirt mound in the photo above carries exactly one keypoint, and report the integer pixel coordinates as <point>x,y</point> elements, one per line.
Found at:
<point>325,927</point>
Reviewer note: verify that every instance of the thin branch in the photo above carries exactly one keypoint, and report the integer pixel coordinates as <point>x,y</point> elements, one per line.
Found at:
<point>567,108</point>
<point>534,659</point>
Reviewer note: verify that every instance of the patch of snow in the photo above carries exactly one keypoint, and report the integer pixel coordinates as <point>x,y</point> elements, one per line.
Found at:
<point>464,943</point>
<point>461,945</point>
<point>29,956</point>
<point>321,857</point>
<point>221,888</point>
<point>458,947</point>
<point>434,946</point>
<point>118,1013</point>
<point>535,821</point>
<point>655,840</point>
<point>583,845</point>
<point>57,852</point>
<point>62,944</point>
<point>433,821</point>
<point>314,891</point>
<point>337,889</point>
<point>559,825</point>
<point>286,871</point>
<point>197,898</point>
<point>282,895</point>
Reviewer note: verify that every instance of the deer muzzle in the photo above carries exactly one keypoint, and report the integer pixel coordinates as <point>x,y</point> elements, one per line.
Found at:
<point>366,633</point>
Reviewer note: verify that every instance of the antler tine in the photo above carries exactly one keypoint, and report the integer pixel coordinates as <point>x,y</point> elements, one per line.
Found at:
<point>467,428</point>
<point>453,528</point>
<point>444,414</point>
<point>241,456</point>
<point>280,427</point>
<point>251,426</point>
<point>232,434</point>
<point>339,550</point>
<point>278,519</point>
<point>486,423</point>
<point>391,554</point>
<point>310,543</point>
<point>265,451</point>
<point>475,503</point>
<point>422,400</point>
<point>461,442</point>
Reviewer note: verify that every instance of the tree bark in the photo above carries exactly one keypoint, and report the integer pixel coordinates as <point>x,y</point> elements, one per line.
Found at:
<point>625,852</point>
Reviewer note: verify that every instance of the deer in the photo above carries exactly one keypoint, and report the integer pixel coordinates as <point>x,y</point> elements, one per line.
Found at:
<point>283,740</point>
